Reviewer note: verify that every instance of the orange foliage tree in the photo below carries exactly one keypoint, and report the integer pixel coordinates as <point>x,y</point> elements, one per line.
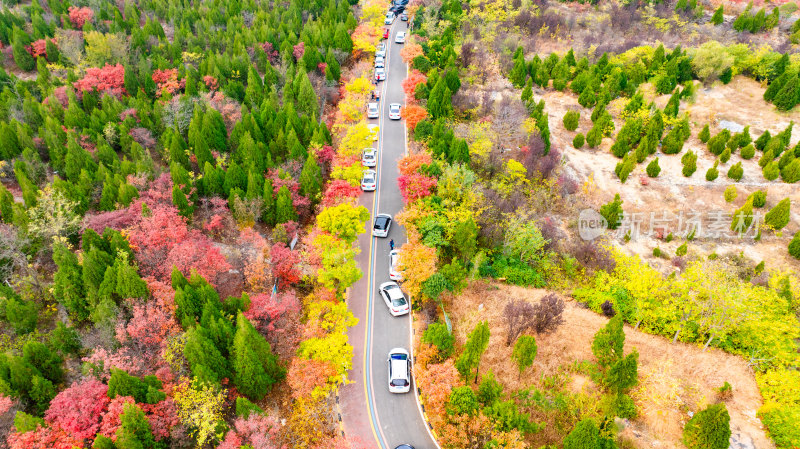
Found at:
<point>410,51</point>
<point>436,382</point>
<point>414,79</point>
<point>413,113</point>
<point>410,164</point>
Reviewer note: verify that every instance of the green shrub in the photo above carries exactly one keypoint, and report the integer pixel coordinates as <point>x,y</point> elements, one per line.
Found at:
<point>712,173</point>
<point>624,168</point>
<point>725,156</point>
<point>673,142</point>
<point>717,18</point>
<point>730,193</point>
<point>653,169</point>
<point>748,152</point>
<point>794,247</point>
<point>705,134</point>
<point>594,137</point>
<point>681,251</point>
<point>585,435</point>
<point>708,429</point>
<point>791,173</point>
<point>612,212</point>
<point>759,198</point>
<point>438,335</point>
<point>771,171</point>
<point>689,161</point>
<point>778,216</point>
<point>743,217</point>
<point>763,140</point>
<point>578,141</point>
<point>716,145</point>
<point>244,408</point>
<point>736,172</point>
<point>571,119</point>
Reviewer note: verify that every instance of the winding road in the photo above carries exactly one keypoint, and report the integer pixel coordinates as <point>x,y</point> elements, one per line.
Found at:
<point>379,418</point>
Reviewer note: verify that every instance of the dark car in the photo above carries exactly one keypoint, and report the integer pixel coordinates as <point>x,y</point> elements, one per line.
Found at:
<point>398,9</point>
<point>382,224</point>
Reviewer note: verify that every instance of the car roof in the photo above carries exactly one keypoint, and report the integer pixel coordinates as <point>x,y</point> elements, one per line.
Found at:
<point>373,105</point>
<point>369,150</point>
<point>369,172</point>
<point>394,105</point>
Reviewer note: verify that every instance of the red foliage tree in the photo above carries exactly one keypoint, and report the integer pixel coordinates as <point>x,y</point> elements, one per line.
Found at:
<point>298,50</point>
<point>79,408</point>
<point>257,431</point>
<point>109,79</point>
<point>5,404</point>
<point>38,48</point>
<point>284,265</point>
<point>305,375</point>
<point>325,154</point>
<point>414,79</point>
<point>196,253</point>
<point>415,186</point>
<point>79,16</point>
<point>162,416</point>
<point>338,191</point>
<point>44,438</point>
<point>149,328</point>
<point>410,164</point>
<point>111,421</point>
<point>211,83</point>
<point>167,81</point>
<point>265,310</point>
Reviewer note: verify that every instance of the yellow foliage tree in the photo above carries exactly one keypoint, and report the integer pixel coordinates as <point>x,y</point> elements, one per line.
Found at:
<point>350,173</point>
<point>356,138</point>
<point>417,263</point>
<point>200,408</point>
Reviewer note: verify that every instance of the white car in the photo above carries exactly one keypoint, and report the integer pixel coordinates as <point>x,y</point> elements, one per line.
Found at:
<point>400,37</point>
<point>369,181</point>
<point>394,111</point>
<point>389,19</point>
<point>380,62</point>
<point>381,53</point>
<point>369,157</point>
<point>394,274</point>
<point>394,298</point>
<point>373,129</point>
<point>381,47</point>
<point>382,224</point>
<point>373,111</point>
<point>399,371</point>
<point>380,74</point>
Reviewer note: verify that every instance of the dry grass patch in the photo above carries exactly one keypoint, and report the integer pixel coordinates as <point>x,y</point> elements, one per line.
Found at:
<point>674,378</point>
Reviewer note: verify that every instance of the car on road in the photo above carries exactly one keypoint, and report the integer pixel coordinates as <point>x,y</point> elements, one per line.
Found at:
<point>394,274</point>
<point>380,74</point>
<point>373,111</point>
<point>394,298</point>
<point>380,62</point>
<point>382,224</point>
<point>404,17</point>
<point>369,157</point>
<point>394,111</point>
<point>405,446</point>
<point>386,33</point>
<point>389,19</point>
<point>380,47</point>
<point>380,53</point>
<point>373,129</point>
<point>369,181</point>
<point>400,37</point>
<point>399,371</point>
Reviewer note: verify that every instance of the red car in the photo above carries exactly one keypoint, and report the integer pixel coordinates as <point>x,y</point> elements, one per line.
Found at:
<point>386,33</point>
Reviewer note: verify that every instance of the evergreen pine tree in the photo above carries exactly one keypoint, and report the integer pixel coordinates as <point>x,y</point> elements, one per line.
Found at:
<point>775,86</point>
<point>255,367</point>
<point>284,209</point>
<point>778,217</point>
<point>787,97</point>
<point>736,172</point>
<point>791,172</point>
<point>134,431</point>
<point>180,201</point>
<point>477,342</point>
<point>310,178</point>
<point>268,203</point>
<point>653,169</point>
<point>203,356</point>
<point>708,429</point>
<point>794,246</point>
<point>68,283</point>
<point>22,58</point>
<point>717,18</point>
<point>705,134</point>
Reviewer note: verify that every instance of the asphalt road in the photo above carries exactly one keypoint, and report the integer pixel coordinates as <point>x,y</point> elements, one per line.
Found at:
<point>391,419</point>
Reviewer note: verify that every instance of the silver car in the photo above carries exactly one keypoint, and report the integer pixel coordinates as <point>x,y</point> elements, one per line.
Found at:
<point>369,181</point>
<point>379,62</point>
<point>369,157</point>
<point>394,273</point>
<point>381,53</point>
<point>389,19</point>
<point>399,371</point>
<point>373,111</point>
<point>382,224</point>
<point>394,298</point>
<point>394,111</point>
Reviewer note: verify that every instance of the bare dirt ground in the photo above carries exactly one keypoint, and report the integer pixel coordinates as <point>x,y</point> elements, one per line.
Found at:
<point>675,379</point>
<point>671,192</point>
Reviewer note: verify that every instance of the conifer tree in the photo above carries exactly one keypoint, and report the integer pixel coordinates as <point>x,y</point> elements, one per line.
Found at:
<point>68,283</point>
<point>778,216</point>
<point>470,359</point>
<point>268,203</point>
<point>204,358</point>
<point>717,18</point>
<point>284,208</point>
<point>705,134</point>
<point>310,178</point>
<point>708,429</point>
<point>22,58</point>
<point>180,201</point>
<point>255,367</point>
<point>134,431</point>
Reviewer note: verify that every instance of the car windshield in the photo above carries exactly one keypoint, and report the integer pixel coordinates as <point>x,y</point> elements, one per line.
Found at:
<point>395,108</point>
<point>369,155</point>
<point>368,177</point>
<point>381,222</point>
